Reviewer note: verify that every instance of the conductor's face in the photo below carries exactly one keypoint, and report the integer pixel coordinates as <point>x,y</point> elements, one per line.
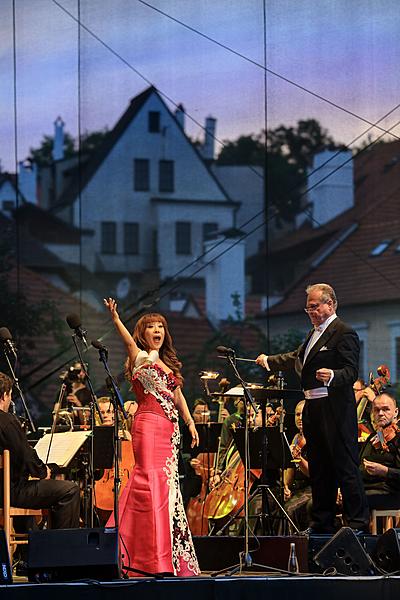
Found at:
<point>318,309</point>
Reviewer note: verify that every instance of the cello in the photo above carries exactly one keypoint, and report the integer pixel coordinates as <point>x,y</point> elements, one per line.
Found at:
<point>204,466</point>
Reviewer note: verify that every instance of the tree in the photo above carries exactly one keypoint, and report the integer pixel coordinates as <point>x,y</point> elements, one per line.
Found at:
<point>299,144</point>
<point>43,156</point>
<point>246,150</point>
<point>285,152</point>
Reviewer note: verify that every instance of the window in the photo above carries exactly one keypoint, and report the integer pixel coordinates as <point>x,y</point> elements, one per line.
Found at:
<point>8,205</point>
<point>380,248</point>
<point>108,237</point>
<point>183,234</point>
<point>154,121</point>
<point>208,230</point>
<point>131,238</point>
<point>141,175</point>
<point>166,176</point>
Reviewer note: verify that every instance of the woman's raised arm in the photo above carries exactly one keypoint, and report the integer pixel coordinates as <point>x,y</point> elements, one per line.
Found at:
<point>130,344</point>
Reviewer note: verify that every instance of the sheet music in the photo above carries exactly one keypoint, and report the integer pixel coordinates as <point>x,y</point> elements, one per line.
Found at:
<point>64,446</point>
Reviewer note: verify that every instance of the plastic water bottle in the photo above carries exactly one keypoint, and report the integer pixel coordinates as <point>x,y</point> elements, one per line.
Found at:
<point>293,565</point>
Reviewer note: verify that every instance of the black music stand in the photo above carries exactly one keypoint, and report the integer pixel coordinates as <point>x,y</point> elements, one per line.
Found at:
<point>103,447</point>
<point>278,456</point>
<point>209,435</point>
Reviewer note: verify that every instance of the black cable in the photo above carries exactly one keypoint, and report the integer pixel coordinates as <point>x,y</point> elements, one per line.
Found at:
<point>17,192</point>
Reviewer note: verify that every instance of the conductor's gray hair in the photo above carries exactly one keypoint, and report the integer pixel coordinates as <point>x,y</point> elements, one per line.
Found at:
<point>328,293</point>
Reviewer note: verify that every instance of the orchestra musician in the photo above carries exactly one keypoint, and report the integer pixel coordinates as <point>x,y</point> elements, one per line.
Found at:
<point>327,364</point>
<point>380,456</point>
<point>60,497</point>
<point>297,488</point>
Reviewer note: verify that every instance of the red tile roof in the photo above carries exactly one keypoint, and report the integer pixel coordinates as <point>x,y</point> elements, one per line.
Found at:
<point>358,277</point>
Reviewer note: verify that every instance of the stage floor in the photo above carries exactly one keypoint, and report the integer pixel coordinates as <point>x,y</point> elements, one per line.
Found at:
<point>241,587</point>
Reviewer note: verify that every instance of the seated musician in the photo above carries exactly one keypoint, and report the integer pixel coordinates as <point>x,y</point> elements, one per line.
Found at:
<point>60,497</point>
<point>297,488</point>
<point>380,456</point>
<point>364,395</point>
<point>201,411</point>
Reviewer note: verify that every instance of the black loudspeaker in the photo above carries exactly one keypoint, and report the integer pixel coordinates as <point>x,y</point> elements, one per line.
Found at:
<point>5,567</point>
<point>387,551</point>
<point>345,554</point>
<point>71,554</point>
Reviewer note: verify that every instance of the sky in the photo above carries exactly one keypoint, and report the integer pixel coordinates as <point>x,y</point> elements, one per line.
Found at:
<point>346,51</point>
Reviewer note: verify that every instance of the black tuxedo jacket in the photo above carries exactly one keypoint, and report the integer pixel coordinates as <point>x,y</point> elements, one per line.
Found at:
<point>338,349</point>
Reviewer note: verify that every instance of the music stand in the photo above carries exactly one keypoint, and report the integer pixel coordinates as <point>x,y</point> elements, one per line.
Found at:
<point>278,456</point>
<point>209,434</point>
<point>103,447</point>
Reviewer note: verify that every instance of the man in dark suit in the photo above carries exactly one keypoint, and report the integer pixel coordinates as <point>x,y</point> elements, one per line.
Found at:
<point>327,364</point>
<point>60,497</point>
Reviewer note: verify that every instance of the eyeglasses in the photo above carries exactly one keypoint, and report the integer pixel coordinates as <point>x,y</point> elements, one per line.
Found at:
<point>314,307</point>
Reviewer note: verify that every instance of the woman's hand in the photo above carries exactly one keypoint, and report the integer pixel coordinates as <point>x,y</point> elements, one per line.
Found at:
<point>194,434</point>
<point>111,304</point>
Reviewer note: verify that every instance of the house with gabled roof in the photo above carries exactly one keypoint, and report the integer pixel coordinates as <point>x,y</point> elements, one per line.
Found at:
<point>358,253</point>
<point>148,195</point>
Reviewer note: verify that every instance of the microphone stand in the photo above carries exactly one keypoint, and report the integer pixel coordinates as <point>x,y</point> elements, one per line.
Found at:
<point>93,406</point>
<point>246,559</point>
<point>16,384</point>
<point>118,406</point>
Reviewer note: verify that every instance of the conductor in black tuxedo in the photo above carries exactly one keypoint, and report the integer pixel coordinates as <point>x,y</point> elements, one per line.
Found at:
<point>327,364</point>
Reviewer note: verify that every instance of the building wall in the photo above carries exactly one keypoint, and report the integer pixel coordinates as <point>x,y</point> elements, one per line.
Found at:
<point>110,195</point>
<point>377,326</point>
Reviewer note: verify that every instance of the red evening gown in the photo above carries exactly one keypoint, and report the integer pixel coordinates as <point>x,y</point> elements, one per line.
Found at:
<point>153,529</point>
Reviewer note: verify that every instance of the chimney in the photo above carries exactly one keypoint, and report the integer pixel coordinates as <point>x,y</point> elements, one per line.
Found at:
<point>209,139</point>
<point>27,179</point>
<point>58,146</point>
<point>335,194</point>
<point>180,115</point>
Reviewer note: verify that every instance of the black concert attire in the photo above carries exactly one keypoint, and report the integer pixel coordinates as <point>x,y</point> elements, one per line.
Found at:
<point>60,497</point>
<point>382,492</point>
<point>330,422</point>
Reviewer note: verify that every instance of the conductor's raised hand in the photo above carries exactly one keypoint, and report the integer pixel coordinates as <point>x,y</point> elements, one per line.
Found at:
<point>261,360</point>
<point>111,304</point>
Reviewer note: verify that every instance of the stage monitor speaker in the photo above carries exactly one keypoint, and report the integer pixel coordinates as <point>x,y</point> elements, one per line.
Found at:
<point>387,551</point>
<point>71,554</point>
<point>5,566</point>
<point>345,554</point>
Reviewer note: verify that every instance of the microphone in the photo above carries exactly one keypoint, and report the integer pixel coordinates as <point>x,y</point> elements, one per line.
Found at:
<point>224,350</point>
<point>74,323</point>
<point>99,346</point>
<point>6,339</point>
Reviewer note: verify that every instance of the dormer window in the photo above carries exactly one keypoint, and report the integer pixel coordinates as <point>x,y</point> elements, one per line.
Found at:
<point>380,248</point>
<point>154,121</point>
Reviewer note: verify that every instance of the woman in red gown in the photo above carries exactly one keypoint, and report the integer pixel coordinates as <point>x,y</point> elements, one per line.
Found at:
<point>153,529</point>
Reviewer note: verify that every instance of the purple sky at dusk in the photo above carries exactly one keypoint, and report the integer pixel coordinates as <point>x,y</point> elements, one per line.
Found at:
<point>345,50</point>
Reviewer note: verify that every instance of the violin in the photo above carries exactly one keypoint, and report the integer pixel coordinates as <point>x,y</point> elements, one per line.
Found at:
<point>296,447</point>
<point>384,435</point>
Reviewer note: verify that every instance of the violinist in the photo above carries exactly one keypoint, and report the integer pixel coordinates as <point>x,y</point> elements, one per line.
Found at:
<point>297,489</point>
<point>380,456</point>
